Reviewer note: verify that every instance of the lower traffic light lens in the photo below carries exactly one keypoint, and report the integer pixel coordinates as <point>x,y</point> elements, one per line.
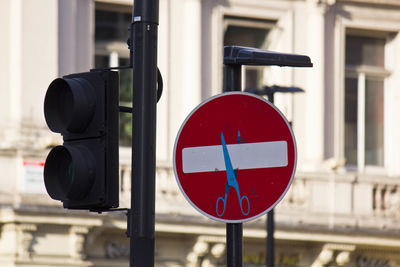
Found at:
<point>68,173</point>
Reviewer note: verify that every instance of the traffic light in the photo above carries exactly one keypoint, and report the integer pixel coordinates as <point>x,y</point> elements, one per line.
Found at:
<point>83,172</point>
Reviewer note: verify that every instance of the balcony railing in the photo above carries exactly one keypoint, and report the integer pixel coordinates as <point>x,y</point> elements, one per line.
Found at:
<point>325,199</point>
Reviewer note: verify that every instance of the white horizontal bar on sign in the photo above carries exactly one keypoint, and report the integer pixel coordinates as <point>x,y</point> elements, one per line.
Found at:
<point>243,156</point>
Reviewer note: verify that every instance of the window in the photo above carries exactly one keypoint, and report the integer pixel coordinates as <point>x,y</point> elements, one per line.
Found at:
<point>364,100</point>
<point>250,33</point>
<point>112,24</point>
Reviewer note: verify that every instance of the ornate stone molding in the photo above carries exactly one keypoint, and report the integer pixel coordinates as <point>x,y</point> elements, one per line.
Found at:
<point>386,200</point>
<point>115,250</point>
<point>326,2</point>
<point>321,6</point>
<point>208,251</point>
<point>77,236</point>
<point>298,195</point>
<point>25,240</point>
<point>200,249</point>
<point>374,2</point>
<point>338,253</point>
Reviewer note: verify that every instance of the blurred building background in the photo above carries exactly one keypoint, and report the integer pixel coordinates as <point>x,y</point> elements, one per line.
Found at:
<point>343,208</point>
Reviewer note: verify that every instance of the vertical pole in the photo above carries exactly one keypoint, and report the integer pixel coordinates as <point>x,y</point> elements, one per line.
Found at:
<point>234,231</point>
<point>270,239</point>
<point>234,244</point>
<point>233,78</point>
<point>144,62</point>
<point>270,256</point>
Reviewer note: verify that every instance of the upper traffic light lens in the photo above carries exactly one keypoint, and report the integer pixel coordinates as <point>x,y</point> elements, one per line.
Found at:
<point>69,105</point>
<point>69,173</point>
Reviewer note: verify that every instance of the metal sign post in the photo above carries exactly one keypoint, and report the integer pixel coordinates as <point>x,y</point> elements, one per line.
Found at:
<point>270,256</point>
<point>141,218</point>
<point>234,231</point>
<point>270,91</point>
<point>234,57</point>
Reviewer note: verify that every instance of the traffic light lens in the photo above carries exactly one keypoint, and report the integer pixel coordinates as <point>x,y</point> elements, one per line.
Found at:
<point>69,105</point>
<point>65,103</point>
<point>71,172</point>
<point>68,173</point>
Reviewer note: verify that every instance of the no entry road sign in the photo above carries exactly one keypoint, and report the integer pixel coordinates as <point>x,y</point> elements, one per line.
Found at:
<point>234,157</point>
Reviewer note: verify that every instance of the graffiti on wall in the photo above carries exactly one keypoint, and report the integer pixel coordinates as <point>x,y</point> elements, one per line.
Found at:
<point>365,261</point>
<point>282,259</point>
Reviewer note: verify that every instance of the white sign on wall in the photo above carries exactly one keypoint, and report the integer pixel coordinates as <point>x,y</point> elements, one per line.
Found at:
<point>32,177</point>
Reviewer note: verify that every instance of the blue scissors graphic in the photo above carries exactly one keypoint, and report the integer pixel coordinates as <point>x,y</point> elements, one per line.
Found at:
<point>232,182</point>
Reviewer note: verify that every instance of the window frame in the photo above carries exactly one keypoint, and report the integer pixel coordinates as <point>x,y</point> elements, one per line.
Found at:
<point>362,73</point>
<point>114,50</point>
<point>255,23</point>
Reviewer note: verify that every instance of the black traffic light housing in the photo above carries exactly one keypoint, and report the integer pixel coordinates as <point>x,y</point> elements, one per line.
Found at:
<point>83,172</point>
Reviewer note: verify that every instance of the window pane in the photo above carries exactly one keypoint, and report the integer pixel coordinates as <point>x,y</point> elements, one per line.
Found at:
<point>252,78</point>
<point>112,26</point>
<point>374,123</point>
<point>350,127</point>
<point>365,51</point>
<point>250,37</point>
<point>125,129</point>
<point>125,81</point>
<point>101,61</point>
<point>125,97</point>
<point>245,36</point>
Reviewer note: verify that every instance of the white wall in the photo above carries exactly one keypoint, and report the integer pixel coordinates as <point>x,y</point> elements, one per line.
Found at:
<point>29,59</point>
<point>76,35</point>
<point>39,54</point>
<point>29,62</point>
<point>5,55</point>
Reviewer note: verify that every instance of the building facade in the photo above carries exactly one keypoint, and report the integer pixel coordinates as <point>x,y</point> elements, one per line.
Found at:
<point>343,208</point>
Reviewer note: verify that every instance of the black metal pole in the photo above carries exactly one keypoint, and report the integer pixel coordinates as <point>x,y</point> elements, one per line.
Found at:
<point>144,62</point>
<point>233,78</point>
<point>270,225</point>
<point>234,231</point>
<point>234,244</point>
<point>270,257</point>
<point>234,57</point>
<point>270,239</point>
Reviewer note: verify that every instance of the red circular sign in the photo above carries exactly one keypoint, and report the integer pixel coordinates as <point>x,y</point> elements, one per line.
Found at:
<point>234,157</point>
